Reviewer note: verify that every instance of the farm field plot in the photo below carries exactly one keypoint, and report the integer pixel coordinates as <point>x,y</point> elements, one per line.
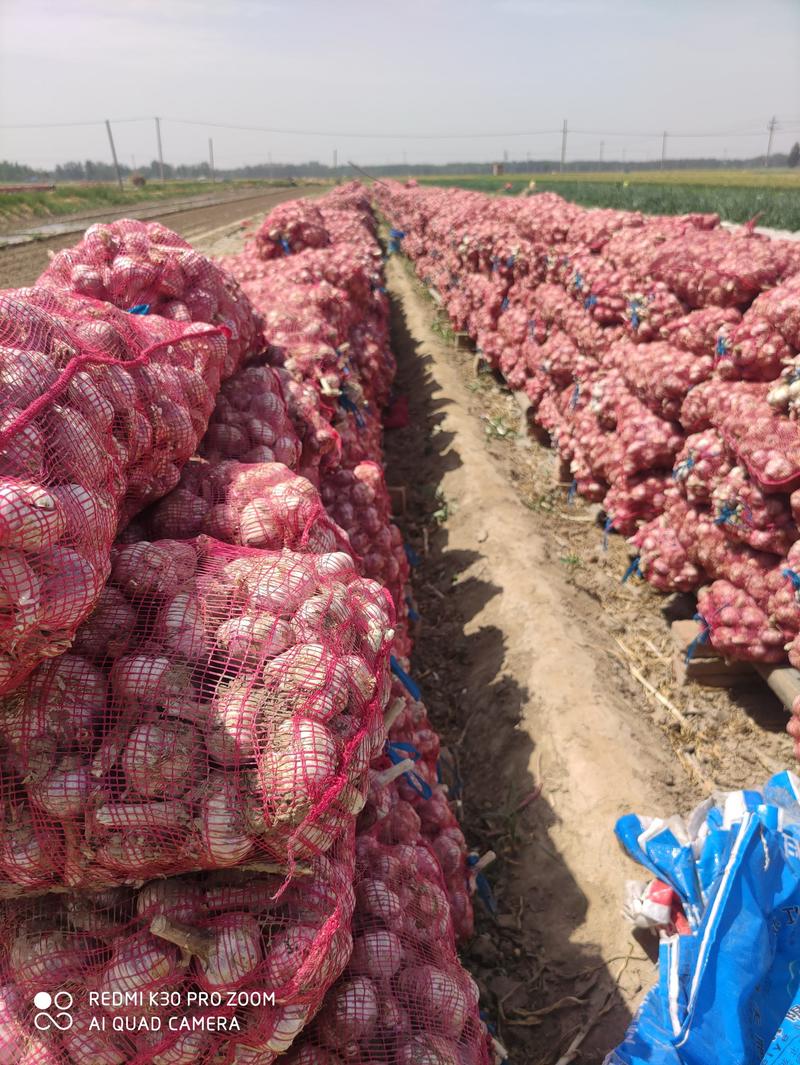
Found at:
<point>18,208</point>
<point>737,195</point>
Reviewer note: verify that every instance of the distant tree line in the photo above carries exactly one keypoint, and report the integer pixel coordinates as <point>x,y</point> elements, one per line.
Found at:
<point>91,170</point>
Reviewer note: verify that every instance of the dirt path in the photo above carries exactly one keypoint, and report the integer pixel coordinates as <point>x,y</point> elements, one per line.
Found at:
<point>22,265</point>
<point>519,663</point>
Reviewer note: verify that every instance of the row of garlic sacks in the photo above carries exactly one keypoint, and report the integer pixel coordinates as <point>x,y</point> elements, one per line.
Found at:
<point>223,836</point>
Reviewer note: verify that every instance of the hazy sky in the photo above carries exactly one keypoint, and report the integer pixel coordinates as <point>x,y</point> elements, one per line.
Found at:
<point>432,77</point>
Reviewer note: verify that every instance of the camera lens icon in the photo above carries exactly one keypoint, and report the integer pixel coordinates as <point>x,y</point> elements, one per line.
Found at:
<point>52,1011</point>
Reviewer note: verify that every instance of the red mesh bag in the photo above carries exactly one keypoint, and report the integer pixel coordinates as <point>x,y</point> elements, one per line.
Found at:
<point>659,374</point>
<point>220,706</point>
<point>737,625</point>
<point>720,268</point>
<point>781,307</point>
<point>768,445</point>
<point>180,971</point>
<point>752,350</point>
<point>784,395</point>
<point>291,227</point>
<point>745,513</point>
<point>255,505</point>
<point>250,421</point>
<point>358,500</point>
<point>100,410</point>
<point>663,559</point>
<point>404,998</point>
<point>701,464</point>
<point>632,500</point>
<point>131,263</point>
<point>320,443</point>
<point>697,331</point>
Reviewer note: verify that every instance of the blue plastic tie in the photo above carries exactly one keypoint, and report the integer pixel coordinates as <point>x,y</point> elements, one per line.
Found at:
<point>140,308</point>
<point>633,307</point>
<point>576,395</point>
<point>411,555</point>
<point>633,570</point>
<point>510,261</point>
<point>285,245</point>
<point>410,685</point>
<point>609,525</point>
<point>793,576</point>
<point>483,888</point>
<point>578,280</point>
<point>412,613</point>
<point>686,465</point>
<point>351,408</point>
<point>725,514</point>
<point>589,302</point>
<point>702,637</point>
<point>722,348</point>
<point>398,752</point>
<point>396,234</point>
<point>573,488</point>
<point>504,304</point>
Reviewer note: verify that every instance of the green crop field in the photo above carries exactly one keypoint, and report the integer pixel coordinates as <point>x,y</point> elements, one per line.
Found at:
<point>31,206</point>
<point>737,195</point>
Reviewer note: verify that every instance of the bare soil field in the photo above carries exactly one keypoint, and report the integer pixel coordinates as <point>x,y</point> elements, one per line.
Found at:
<point>21,264</point>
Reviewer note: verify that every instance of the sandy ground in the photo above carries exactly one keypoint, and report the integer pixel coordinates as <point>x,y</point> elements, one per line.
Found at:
<point>527,644</point>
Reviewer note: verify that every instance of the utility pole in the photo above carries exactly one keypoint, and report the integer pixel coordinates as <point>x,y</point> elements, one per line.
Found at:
<point>663,148</point>
<point>773,122</point>
<point>335,160</point>
<point>563,144</point>
<point>602,145</point>
<point>160,153</point>
<point>113,153</point>
<point>211,158</point>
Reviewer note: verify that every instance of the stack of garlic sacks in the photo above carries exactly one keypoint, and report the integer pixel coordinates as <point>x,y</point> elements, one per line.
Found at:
<point>222,835</point>
<point>662,355</point>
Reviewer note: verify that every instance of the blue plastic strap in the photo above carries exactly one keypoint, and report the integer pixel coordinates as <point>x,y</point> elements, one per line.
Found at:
<point>412,613</point>
<point>589,302</point>
<point>396,234</point>
<point>504,304</point>
<point>285,245</point>
<point>793,576</point>
<point>510,261</point>
<point>411,555</point>
<point>398,752</point>
<point>633,570</point>
<point>609,525</point>
<point>139,308</point>
<point>702,637</point>
<point>483,888</point>
<point>576,395</point>
<point>633,307</point>
<point>577,281</point>
<point>410,685</point>
<point>573,488</point>
<point>347,403</point>
<point>722,348</point>
<point>682,467</point>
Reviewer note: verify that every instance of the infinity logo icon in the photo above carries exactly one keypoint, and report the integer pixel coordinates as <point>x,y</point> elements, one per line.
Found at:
<point>44,1001</point>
